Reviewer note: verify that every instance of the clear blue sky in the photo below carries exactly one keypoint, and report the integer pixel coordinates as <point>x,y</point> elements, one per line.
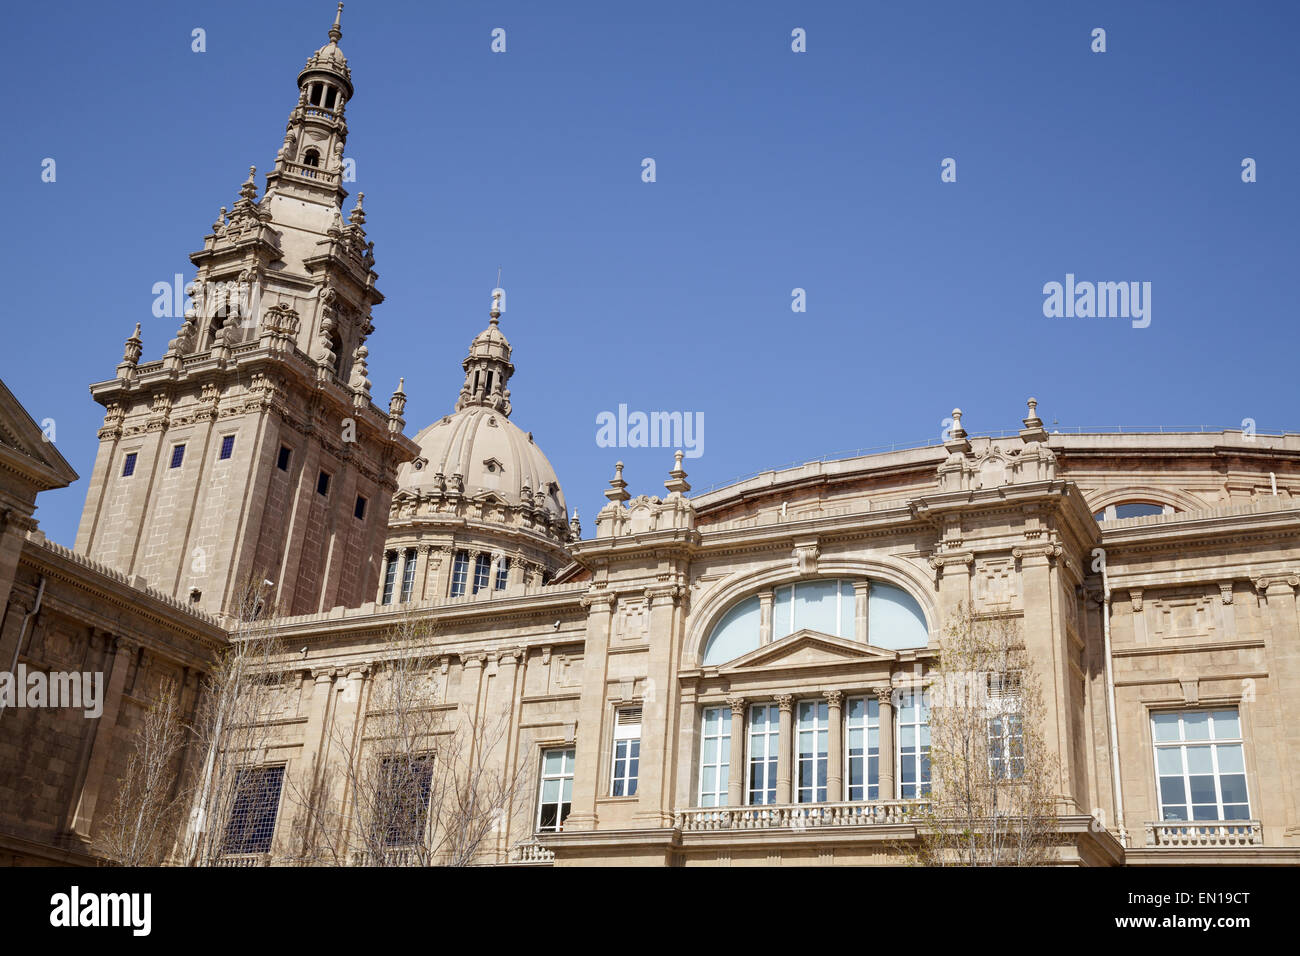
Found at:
<point>775,170</point>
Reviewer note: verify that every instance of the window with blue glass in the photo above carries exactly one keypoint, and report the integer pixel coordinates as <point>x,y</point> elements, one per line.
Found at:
<point>128,465</point>
<point>178,455</point>
<point>862,742</point>
<point>813,736</point>
<point>408,574</point>
<point>459,569</point>
<point>227,447</point>
<point>715,756</point>
<point>764,750</point>
<point>390,577</point>
<point>1200,765</point>
<point>627,751</point>
<point>482,568</point>
<point>913,745</point>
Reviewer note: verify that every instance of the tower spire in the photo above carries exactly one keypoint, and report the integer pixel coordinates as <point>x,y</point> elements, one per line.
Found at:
<point>336,31</point>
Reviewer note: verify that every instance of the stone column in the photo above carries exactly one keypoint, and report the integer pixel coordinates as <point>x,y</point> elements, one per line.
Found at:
<point>314,746</point>
<point>591,712</point>
<point>654,788</point>
<point>765,602</point>
<point>785,748</point>
<point>84,817</point>
<point>736,768</point>
<point>835,747</point>
<point>885,698</point>
<point>423,553</point>
<point>861,611</point>
<point>442,580</point>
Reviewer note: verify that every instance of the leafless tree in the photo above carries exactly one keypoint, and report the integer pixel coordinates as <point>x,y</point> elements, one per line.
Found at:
<point>992,773</point>
<point>140,827</point>
<point>233,730</point>
<point>408,781</point>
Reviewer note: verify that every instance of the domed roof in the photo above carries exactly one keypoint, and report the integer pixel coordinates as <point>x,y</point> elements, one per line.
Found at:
<point>478,441</point>
<point>491,454</point>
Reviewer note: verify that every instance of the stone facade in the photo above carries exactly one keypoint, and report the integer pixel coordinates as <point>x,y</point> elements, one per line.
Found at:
<point>1155,577</point>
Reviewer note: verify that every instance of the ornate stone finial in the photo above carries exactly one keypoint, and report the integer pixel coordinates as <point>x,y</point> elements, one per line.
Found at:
<point>575,526</point>
<point>336,31</point>
<point>676,482</point>
<point>358,217</point>
<point>220,223</point>
<point>1033,431</point>
<point>957,431</point>
<point>131,353</point>
<point>617,486</point>
<point>1033,421</point>
<point>358,381</point>
<point>494,313</point>
<point>249,189</point>
<point>397,404</point>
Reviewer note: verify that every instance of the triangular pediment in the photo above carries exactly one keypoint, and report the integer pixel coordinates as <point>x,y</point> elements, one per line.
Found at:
<point>26,449</point>
<point>806,648</point>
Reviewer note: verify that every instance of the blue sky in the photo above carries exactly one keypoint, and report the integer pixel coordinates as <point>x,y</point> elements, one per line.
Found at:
<point>775,170</point>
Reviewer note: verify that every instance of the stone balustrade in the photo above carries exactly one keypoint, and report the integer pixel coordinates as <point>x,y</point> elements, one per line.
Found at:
<point>799,816</point>
<point>531,852</point>
<point>1205,833</point>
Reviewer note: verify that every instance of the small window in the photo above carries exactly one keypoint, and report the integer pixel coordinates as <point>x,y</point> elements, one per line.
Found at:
<point>359,512</point>
<point>331,95</point>
<point>311,158</point>
<point>178,455</point>
<point>503,574</point>
<point>408,574</point>
<point>390,577</point>
<point>128,465</point>
<point>315,94</point>
<point>482,566</point>
<point>227,446</point>
<point>323,483</point>
<point>459,569</point>
<point>627,752</point>
<point>282,461</point>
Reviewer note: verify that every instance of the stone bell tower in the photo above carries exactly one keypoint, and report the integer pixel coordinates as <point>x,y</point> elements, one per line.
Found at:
<point>248,467</point>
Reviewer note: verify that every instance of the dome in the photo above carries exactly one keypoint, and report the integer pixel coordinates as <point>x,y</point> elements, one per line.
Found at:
<point>329,58</point>
<point>490,454</point>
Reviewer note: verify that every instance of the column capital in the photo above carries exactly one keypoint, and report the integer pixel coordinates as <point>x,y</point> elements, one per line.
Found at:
<point>785,702</point>
<point>834,697</point>
<point>737,706</point>
<point>884,694</point>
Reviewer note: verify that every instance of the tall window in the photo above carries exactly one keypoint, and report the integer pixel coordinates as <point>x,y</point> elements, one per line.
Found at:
<point>556,793</point>
<point>402,809</point>
<point>1200,765</point>
<point>862,739</point>
<point>128,464</point>
<point>813,738</point>
<point>178,455</point>
<point>282,459</point>
<point>323,483</point>
<point>914,745</point>
<point>715,756</point>
<point>390,576</point>
<point>408,574</point>
<point>1007,746</point>
<point>627,751</point>
<point>252,817</point>
<point>227,446</point>
<point>482,566</point>
<point>459,567</point>
<point>503,574</point>
<point>764,747</point>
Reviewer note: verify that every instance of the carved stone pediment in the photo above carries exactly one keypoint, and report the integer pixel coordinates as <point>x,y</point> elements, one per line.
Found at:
<point>806,649</point>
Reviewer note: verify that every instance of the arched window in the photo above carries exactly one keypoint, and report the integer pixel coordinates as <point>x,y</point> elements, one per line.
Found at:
<point>311,158</point>
<point>894,619</point>
<point>1132,509</point>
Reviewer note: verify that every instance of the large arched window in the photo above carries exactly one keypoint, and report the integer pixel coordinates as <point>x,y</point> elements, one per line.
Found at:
<point>894,619</point>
